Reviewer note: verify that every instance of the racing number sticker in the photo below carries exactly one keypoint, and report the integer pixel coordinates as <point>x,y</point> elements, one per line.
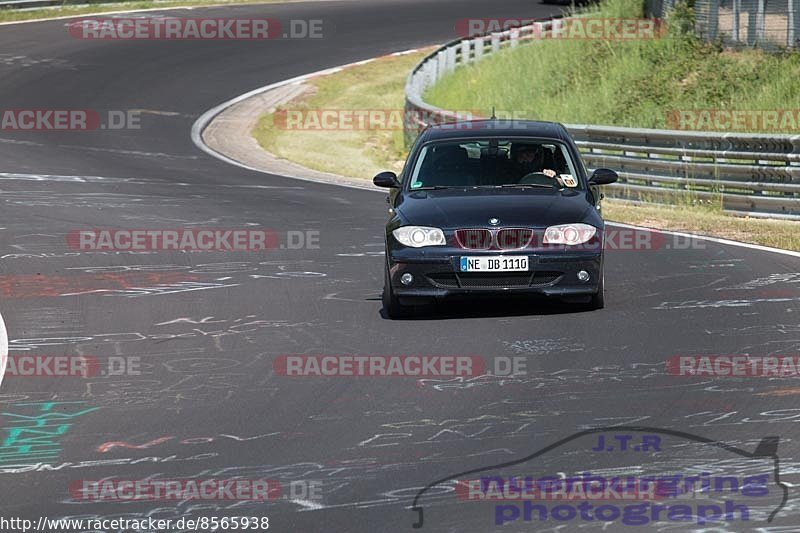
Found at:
<point>569,180</point>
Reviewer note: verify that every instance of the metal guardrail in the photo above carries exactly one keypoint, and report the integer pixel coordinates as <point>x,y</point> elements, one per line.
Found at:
<point>753,174</point>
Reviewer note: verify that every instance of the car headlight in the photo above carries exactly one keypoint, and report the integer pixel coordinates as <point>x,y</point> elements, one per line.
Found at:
<point>419,236</point>
<point>569,234</point>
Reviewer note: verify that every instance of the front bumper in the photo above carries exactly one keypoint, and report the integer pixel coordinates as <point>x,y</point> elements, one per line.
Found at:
<point>437,275</point>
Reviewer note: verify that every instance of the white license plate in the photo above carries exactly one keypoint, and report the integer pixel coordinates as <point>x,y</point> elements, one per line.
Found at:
<point>497,263</point>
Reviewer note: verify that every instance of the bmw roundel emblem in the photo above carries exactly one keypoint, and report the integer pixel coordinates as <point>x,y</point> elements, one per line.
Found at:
<point>494,221</point>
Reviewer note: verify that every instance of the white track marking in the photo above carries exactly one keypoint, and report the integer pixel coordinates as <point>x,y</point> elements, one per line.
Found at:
<point>308,504</point>
<point>3,348</point>
<point>758,247</point>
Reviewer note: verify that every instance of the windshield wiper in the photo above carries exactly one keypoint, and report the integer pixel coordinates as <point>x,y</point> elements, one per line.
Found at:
<point>432,188</point>
<point>512,185</point>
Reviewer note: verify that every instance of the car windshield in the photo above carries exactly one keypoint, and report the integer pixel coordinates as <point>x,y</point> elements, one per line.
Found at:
<point>494,163</point>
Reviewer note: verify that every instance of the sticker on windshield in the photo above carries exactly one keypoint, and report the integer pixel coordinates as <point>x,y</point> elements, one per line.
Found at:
<point>569,180</point>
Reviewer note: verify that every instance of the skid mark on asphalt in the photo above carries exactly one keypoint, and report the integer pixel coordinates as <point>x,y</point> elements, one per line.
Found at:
<point>717,263</point>
<point>92,200</point>
<point>16,176</point>
<point>764,330</point>
<point>143,280</point>
<point>16,60</point>
<point>128,152</point>
<point>35,466</point>
<point>244,329</point>
<point>50,320</point>
<point>774,339</point>
<point>543,346</point>
<point>37,286</point>
<point>718,304</point>
<point>767,281</point>
<point>55,255</point>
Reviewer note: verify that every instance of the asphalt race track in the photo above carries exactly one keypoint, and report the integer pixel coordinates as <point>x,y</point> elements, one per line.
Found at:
<point>206,328</point>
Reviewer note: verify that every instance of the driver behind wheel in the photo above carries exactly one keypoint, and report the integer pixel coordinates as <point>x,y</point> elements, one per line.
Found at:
<point>530,159</point>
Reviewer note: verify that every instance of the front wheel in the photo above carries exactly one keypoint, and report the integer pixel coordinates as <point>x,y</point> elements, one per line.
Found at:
<point>391,305</point>
<point>598,300</point>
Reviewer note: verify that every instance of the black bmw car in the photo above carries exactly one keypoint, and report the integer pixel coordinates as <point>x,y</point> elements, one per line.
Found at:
<point>493,207</point>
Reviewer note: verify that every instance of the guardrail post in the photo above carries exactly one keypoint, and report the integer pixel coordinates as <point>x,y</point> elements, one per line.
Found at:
<point>466,57</point>
<point>495,42</point>
<point>478,48</point>
<point>795,141</point>
<point>416,84</point>
<point>450,64</point>
<point>441,65</point>
<point>514,36</point>
<point>538,31</point>
<point>556,27</point>
<point>430,77</point>
<point>422,81</point>
<point>408,127</point>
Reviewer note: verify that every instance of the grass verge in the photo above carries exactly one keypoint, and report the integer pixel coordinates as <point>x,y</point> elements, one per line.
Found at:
<point>701,221</point>
<point>16,15</point>
<point>363,153</point>
<point>633,83</point>
<point>347,151</point>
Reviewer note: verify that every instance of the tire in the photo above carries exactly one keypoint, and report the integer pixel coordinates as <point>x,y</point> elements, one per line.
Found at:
<point>598,300</point>
<point>391,306</point>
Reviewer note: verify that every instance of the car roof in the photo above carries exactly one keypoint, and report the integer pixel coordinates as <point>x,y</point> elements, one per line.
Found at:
<point>496,128</point>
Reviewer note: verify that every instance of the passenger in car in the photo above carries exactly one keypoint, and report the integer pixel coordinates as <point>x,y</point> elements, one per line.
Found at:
<point>449,165</point>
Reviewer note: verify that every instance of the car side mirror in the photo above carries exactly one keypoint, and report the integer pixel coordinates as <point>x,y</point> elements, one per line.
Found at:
<point>603,176</point>
<point>386,179</point>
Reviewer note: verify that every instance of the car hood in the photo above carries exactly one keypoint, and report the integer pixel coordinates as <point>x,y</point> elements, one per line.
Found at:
<point>459,208</point>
